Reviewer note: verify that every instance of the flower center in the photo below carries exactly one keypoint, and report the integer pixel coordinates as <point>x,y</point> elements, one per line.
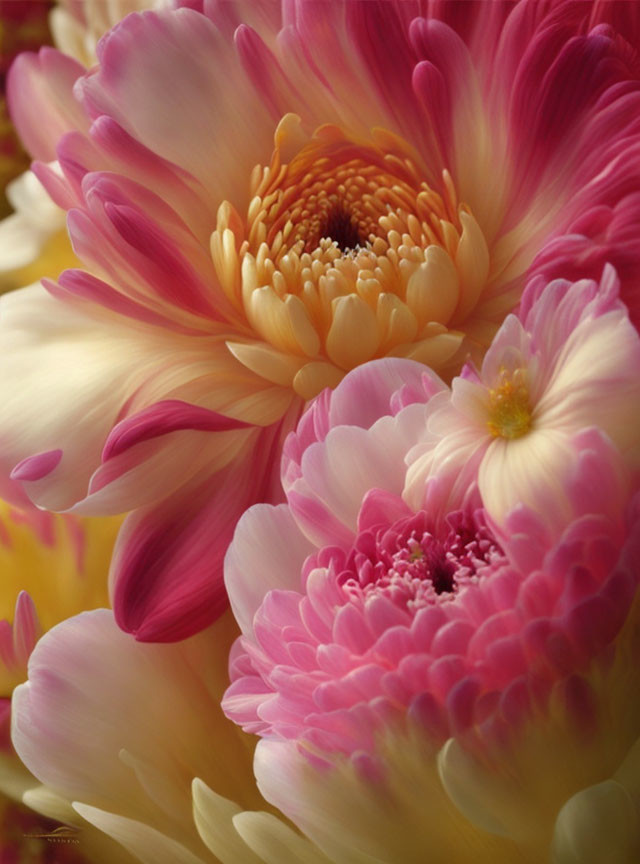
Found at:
<point>345,254</point>
<point>413,566</point>
<point>509,410</point>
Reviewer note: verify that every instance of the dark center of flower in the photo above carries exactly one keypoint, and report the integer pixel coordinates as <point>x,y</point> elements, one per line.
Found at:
<point>415,565</point>
<point>342,228</point>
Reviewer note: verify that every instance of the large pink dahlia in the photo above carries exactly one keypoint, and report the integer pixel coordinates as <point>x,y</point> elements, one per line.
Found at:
<point>264,198</point>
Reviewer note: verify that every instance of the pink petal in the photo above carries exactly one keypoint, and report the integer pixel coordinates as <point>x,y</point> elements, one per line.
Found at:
<point>42,105</point>
<point>167,565</point>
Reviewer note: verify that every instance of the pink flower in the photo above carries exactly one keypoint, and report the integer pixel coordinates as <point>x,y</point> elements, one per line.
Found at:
<point>569,361</point>
<point>396,212</point>
<point>437,614</point>
<point>373,633</point>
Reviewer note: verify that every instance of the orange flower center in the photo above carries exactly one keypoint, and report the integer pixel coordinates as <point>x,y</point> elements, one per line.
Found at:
<point>347,254</point>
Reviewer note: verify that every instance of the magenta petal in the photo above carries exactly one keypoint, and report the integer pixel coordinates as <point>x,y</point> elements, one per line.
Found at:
<point>162,418</point>
<point>167,565</point>
<point>36,467</point>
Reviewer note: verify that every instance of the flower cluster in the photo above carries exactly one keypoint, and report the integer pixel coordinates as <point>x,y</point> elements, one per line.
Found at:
<point>339,302</point>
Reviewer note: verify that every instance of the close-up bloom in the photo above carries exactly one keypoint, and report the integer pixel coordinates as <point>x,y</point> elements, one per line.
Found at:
<point>380,635</point>
<point>264,199</point>
<point>320,431</point>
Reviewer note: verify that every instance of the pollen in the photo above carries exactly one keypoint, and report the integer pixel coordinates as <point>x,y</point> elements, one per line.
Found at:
<point>509,409</point>
<point>347,253</point>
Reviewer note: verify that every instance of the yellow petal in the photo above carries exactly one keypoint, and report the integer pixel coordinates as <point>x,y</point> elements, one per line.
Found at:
<point>314,377</point>
<point>433,290</point>
<point>353,335</point>
<point>472,263</point>
<point>266,361</point>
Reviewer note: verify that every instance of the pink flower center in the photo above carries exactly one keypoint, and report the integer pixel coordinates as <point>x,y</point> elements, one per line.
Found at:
<point>415,565</point>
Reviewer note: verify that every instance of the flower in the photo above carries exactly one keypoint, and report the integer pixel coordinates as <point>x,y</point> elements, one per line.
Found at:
<point>517,416</point>
<point>219,296</point>
<point>398,660</point>
<point>131,736</point>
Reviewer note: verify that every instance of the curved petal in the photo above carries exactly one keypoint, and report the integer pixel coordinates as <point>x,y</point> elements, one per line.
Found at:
<point>40,95</point>
<point>124,727</point>
<point>73,367</point>
<point>337,472</point>
<point>167,565</point>
<point>267,552</point>
<point>148,49</point>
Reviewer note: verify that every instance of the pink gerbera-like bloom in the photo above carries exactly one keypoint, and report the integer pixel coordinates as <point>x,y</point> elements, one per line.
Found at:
<point>264,201</point>
<point>373,629</point>
<point>570,359</point>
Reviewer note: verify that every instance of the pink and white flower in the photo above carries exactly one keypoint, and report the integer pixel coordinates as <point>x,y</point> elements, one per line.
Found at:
<point>380,633</point>
<point>569,361</point>
<point>219,296</point>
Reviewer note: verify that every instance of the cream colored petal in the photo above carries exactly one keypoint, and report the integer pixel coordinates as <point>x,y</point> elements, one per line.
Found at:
<point>314,377</point>
<point>433,290</point>
<point>274,841</point>
<point>353,335</point>
<point>276,366</point>
<point>472,263</point>
<point>213,815</point>
<point>600,824</point>
<point>396,322</point>
<point>434,351</point>
<point>143,842</point>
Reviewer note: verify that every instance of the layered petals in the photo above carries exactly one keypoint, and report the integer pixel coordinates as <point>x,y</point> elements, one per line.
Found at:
<point>267,198</point>
<point>78,726</point>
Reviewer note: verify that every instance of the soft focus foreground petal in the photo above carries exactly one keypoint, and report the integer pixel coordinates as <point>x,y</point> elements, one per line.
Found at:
<point>213,816</point>
<point>40,93</point>
<point>167,565</point>
<point>586,739</point>
<point>145,54</point>
<point>147,844</point>
<point>403,815</point>
<point>124,727</point>
<point>95,845</point>
<point>274,841</point>
<point>231,833</point>
<point>600,823</point>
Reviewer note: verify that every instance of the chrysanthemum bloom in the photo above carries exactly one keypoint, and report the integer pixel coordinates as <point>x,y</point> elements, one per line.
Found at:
<point>131,740</point>
<point>261,208</point>
<point>448,680</point>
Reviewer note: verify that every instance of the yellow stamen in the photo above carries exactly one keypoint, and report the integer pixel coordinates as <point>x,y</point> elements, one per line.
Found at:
<point>509,410</point>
